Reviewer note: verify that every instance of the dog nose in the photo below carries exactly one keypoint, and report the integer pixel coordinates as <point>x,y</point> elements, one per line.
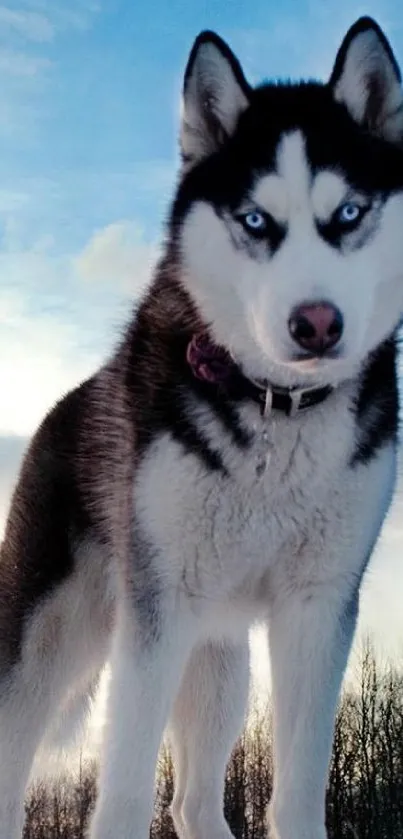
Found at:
<point>316,326</point>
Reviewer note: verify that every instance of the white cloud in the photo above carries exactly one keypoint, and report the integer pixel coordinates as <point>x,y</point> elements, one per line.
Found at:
<point>60,15</point>
<point>27,29</point>
<point>59,316</point>
<point>21,65</point>
<point>32,25</point>
<point>11,200</point>
<point>69,205</point>
<point>38,362</point>
<point>118,251</point>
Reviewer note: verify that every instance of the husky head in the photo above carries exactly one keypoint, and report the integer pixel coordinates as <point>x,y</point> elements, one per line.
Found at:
<point>288,219</point>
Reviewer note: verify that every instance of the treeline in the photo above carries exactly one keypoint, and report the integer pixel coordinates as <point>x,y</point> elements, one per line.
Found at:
<point>365,794</point>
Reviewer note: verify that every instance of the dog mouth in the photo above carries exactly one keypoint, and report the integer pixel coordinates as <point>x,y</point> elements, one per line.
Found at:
<point>315,358</point>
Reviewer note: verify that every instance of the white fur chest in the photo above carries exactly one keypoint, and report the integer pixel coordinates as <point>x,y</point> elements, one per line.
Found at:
<point>220,534</point>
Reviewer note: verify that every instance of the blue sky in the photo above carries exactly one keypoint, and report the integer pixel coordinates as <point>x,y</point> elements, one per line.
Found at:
<point>90,93</point>
<point>89,103</point>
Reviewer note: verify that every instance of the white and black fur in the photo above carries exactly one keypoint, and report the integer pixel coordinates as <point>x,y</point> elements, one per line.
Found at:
<point>157,516</point>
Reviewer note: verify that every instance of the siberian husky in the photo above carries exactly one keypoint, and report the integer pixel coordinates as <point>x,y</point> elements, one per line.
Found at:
<point>231,463</point>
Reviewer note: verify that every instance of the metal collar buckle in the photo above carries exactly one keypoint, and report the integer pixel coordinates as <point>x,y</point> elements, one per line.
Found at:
<point>296,399</point>
<point>268,403</point>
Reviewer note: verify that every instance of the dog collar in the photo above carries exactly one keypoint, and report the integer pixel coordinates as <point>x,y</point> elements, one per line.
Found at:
<point>214,364</point>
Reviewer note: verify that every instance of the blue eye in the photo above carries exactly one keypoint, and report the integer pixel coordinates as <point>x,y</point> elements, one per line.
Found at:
<point>349,213</point>
<point>254,222</point>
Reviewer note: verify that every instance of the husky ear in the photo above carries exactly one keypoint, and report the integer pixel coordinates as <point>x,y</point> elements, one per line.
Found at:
<point>366,79</point>
<point>215,93</point>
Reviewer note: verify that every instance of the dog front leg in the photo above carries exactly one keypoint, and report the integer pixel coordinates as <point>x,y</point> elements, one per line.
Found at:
<point>146,669</point>
<point>311,630</point>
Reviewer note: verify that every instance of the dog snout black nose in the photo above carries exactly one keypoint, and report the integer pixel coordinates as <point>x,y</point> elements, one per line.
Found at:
<point>316,326</point>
